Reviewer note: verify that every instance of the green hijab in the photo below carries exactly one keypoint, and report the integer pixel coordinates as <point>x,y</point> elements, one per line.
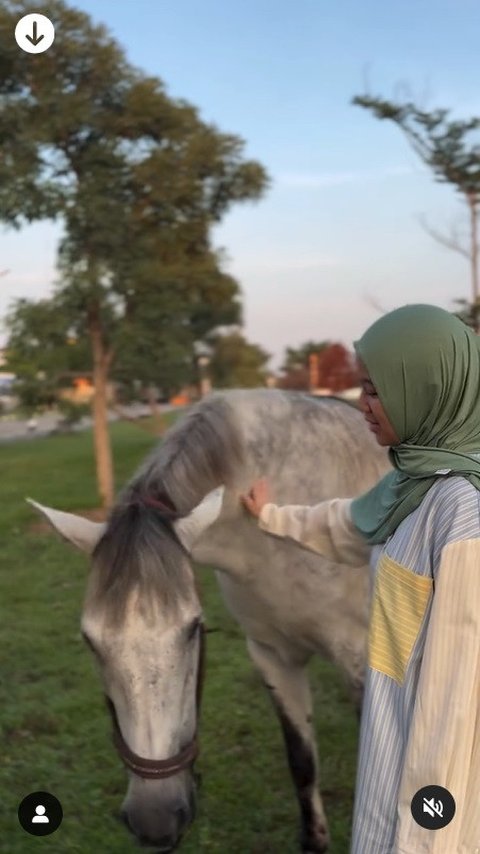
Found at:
<point>425,366</point>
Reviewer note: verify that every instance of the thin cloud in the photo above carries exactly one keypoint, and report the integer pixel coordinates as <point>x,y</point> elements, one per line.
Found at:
<point>309,181</point>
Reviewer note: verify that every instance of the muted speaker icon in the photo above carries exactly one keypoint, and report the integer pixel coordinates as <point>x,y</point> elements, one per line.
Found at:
<point>433,807</point>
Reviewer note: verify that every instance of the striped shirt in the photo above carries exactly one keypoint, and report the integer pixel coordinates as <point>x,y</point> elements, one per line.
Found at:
<point>421,713</point>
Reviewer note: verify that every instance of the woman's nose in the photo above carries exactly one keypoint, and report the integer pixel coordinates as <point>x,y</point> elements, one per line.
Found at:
<point>362,402</point>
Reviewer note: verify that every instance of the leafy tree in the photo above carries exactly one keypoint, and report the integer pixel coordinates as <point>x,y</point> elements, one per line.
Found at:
<point>298,357</point>
<point>44,351</point>
<point>451,149</point>
<point>336,368</point>
<point>138,179</point>
<point>156,341</point>
<point>297,368</point>
<point>236,363</point>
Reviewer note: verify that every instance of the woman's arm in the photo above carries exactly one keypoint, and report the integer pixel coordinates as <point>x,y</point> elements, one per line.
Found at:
<point>325,528</point>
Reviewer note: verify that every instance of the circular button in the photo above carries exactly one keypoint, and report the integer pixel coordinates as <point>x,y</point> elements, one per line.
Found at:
<point>34,33</point>
<point>40,813</point>
<point>433,807</point>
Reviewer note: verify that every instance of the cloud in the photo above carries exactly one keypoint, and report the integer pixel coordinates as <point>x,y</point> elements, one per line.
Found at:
<point>309,181</point>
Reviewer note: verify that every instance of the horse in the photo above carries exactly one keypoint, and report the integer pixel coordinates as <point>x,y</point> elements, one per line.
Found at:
<point>142,617</point>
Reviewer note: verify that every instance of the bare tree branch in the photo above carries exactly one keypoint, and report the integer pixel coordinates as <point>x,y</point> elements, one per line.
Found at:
<point>417,143</point>
<point>445,146</point>
<point>449,241</point>
<point>373,302</point>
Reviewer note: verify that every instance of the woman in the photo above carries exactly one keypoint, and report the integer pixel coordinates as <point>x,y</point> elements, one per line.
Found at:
<point>420,374</point>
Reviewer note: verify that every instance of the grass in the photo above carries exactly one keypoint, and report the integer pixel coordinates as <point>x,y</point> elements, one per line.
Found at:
<point>54,731</point>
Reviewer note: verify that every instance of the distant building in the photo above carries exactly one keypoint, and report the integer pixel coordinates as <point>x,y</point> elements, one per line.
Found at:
<point>8,400</point>
<point>6,382</point>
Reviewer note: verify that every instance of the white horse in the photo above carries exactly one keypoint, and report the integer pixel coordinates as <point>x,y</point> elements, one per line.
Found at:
<point>142,616</point>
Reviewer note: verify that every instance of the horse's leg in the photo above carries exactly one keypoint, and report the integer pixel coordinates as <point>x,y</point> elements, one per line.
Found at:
<point>290,692</point>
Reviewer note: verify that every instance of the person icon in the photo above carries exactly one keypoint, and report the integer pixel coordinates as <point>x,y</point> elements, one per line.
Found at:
<point>40,815</point>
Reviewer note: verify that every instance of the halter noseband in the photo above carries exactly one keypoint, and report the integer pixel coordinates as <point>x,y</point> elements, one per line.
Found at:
<point>159,769</point>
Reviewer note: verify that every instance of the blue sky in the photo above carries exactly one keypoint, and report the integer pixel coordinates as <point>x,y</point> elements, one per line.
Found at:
<point>339,224</point>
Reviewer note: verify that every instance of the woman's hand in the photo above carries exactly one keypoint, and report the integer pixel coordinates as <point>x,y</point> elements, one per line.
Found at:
<point>258,496</point>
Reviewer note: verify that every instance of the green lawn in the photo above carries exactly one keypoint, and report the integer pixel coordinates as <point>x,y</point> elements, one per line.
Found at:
<point>54,730</point>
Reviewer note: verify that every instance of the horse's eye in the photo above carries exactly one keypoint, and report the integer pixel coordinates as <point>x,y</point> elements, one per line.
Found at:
<point>89,644</point>
<point>193,628</point>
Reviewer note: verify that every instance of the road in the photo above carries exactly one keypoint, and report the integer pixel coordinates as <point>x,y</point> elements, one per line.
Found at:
<point>13,429</point>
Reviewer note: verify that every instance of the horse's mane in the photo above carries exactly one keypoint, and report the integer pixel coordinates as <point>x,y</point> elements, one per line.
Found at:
<point>139,548</point>
<point>202,451</point>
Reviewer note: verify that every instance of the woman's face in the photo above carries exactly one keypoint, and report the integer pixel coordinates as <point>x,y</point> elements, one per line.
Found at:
<point>374,412</point>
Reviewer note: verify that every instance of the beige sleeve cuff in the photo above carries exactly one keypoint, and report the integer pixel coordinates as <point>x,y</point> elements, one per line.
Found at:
<point>326,528</point>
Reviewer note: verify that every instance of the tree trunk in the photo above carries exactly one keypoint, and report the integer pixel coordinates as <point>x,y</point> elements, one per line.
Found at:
<point>313,371</point>
<point>473,205</point>
<point>152,401</point>
<point>103,451</point>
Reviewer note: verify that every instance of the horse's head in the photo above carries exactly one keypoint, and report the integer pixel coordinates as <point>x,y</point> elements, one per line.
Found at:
<point>142,620</point>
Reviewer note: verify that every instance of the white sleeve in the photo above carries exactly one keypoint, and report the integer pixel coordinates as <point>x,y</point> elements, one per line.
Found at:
<point>326,528</point>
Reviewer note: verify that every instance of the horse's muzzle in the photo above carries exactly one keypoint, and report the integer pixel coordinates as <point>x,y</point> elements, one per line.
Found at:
<point>158,813</point>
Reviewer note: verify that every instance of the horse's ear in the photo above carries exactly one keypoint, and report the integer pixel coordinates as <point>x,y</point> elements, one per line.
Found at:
<point>77,530</point>
<point>190,528</point>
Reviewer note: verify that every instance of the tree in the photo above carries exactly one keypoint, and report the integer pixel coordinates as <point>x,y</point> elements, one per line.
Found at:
<point>336,368</point>
<point>453,154</point>
<point>138,179</point>
<point>296,366</point>
<point>236,363</point>
<point>43,351</point>
<point>156,341</point>
<point>297,357</point>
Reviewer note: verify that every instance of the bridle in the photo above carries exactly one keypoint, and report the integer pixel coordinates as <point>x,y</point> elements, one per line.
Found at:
<point>160,769</point>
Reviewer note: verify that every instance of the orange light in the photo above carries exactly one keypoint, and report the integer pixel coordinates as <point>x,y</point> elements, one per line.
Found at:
<point>82,384</point>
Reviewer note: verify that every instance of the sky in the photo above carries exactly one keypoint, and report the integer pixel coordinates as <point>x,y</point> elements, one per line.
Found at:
<point>337,237</point>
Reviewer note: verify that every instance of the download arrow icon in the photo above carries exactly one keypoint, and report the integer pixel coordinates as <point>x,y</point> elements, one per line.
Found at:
<point>34,33</point>
<point>34,39</point>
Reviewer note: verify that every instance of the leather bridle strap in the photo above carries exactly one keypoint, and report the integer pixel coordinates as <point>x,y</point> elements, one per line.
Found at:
<point>158,769</point>
<point>154,769</point>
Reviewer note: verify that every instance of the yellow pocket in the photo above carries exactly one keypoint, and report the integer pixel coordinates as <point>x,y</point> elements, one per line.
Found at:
<point>400,600</point>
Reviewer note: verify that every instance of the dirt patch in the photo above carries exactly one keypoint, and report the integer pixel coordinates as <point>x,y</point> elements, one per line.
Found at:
<point>95,514</point>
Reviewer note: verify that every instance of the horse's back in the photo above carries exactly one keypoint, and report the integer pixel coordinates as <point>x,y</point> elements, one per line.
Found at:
<point>312,448</point>
<point>309,450</point>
